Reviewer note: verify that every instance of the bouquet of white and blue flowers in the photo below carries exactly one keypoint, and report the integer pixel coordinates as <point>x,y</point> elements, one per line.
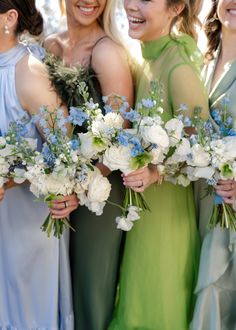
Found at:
<point>59,169</point>
<point>15,149</point>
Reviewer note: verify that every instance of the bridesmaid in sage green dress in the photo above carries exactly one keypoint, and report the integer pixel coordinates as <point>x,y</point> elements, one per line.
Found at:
<point>160,259</point>
<point>91,41</point>
<point>216,287</point>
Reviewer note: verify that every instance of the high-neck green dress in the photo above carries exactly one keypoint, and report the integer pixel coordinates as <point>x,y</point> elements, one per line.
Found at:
<point>160,261</point>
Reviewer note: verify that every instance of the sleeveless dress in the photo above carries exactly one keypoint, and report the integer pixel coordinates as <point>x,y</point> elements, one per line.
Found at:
<point>35,288</point>
<point>96,245</point>
<point>161,251</point>
<point>216,286</point>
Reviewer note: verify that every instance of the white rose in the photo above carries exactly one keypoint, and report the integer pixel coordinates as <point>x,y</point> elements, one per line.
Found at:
<point>118,158</point>
<point>174,128</point>
<point>155,134</point>
<point>123,223</point>
<point>230,147</point>
<point>200,157</point>
<point>158,155</point>
<point>204,172</point>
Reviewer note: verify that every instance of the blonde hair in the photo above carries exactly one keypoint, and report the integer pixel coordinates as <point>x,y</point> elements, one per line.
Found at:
<point>187,20</point>
<point>108,21</point>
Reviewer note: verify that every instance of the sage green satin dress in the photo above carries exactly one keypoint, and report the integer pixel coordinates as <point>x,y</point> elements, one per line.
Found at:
<point>160,261</point>
<point>216,286</point>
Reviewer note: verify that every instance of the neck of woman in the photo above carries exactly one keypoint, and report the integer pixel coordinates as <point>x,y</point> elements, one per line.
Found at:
<point>228,49</point>
<point>7,43</point>
<point>80,33</point>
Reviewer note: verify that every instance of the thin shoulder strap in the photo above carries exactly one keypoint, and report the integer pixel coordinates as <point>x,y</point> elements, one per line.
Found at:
<point>95,44</point>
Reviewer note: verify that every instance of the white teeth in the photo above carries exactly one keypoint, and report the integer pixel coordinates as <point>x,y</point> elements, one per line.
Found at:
<point>135,20</point>
<point>232,11</point>
<point>86,9</point>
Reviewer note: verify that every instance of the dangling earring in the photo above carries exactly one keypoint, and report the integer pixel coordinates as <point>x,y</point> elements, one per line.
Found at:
<point>6,29</point>
<point>214,18</point>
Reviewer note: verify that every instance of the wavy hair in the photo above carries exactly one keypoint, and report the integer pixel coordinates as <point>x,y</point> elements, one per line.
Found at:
<point>212,29</point>
<point>187,21</point>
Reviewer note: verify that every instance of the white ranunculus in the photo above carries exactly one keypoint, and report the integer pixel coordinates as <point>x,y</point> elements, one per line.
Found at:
<point>113,120</point>
<point>118,158</point>
<point>88,148</point>
<point>155,134</point>
<point>96,207</point>
<point>199,157</point>
<point>181,153</point>
<point>174,128</point>
<point>123,223</point>
<point>99,187</point>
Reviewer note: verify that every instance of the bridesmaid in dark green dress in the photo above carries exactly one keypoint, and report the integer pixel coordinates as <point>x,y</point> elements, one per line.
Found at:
<point>95,248</point>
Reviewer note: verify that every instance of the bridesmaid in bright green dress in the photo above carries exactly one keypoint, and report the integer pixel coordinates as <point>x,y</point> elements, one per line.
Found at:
<point>161,252</point>
<point>216,285</point>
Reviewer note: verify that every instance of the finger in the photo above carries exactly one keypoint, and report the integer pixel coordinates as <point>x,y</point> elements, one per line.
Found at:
<point>223,182</point>
<point>224,187</point>
<point>138,189</point>
<point>57,214</point>
<point>138,172</point>
<point>225,193</point>
<point>228,200</point>
<point>58,205</point>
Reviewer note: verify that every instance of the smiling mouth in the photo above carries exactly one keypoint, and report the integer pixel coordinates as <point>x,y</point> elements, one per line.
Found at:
<point>87,10</point>
<point>232,11</point>
<point>135,20</point>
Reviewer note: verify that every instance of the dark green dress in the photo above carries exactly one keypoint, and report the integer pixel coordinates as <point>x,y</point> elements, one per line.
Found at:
<point>96,245</point>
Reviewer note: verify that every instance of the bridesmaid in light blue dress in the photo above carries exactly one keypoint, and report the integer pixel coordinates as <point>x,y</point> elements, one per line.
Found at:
<point>216,286</point>
<point>34,272</point>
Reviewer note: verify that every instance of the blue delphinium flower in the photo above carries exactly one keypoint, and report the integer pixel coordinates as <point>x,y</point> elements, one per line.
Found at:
<point>74,143</point>
<point>124,138</point>
<point>77,116</point>
<point>107,108</point>
<point>148,103</point>
<point>48,156</point>
<point>132,115</point>
<point>136,150</point>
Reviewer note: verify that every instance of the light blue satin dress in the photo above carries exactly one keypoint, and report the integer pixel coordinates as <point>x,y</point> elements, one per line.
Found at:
<point>216,287</point>
<point>35,290</point>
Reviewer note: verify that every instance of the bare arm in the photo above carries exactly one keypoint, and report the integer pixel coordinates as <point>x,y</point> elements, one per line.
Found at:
<point>2,192</point>
<point>109,61</point>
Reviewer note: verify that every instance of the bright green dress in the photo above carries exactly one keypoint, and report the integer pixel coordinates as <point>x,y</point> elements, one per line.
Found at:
<point>161,252</point>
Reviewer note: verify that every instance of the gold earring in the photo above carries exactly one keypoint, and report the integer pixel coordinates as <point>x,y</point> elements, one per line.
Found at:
<point>214,18</point>
<point>6,29</point>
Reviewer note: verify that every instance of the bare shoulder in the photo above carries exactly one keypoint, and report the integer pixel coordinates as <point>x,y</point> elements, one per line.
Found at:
<point>108,52</point>
<point>32,82</point>
<point>54,43</point>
